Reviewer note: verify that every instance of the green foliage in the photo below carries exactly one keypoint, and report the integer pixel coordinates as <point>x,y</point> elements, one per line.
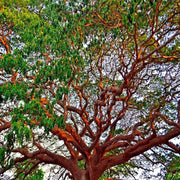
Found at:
<point>173,169</point>
<point>2,155</point>
<point>22,132</point>
<point>13,91</point>
<point>117,131</point>
<point>26,170</point>
<point>81,164</point>
<point>6,162</point>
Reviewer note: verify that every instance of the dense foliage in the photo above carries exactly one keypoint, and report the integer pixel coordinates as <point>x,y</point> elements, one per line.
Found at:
<point>91,87</point>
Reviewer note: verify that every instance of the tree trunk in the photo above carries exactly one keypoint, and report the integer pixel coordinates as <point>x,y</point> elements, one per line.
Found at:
<point>86,175</point>
<point>89,173</point>
<point>83,175</point>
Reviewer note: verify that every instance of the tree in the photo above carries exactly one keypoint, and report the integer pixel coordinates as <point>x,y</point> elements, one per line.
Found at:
<point>98,79</point>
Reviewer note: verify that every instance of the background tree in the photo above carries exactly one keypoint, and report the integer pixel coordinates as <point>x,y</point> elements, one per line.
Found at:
<point>98,80</point>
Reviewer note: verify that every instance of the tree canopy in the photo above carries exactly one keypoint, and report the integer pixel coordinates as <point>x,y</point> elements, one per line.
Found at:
<point>91,87</point>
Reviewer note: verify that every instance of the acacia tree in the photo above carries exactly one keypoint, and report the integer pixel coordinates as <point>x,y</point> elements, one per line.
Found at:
<point>97,79</point>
